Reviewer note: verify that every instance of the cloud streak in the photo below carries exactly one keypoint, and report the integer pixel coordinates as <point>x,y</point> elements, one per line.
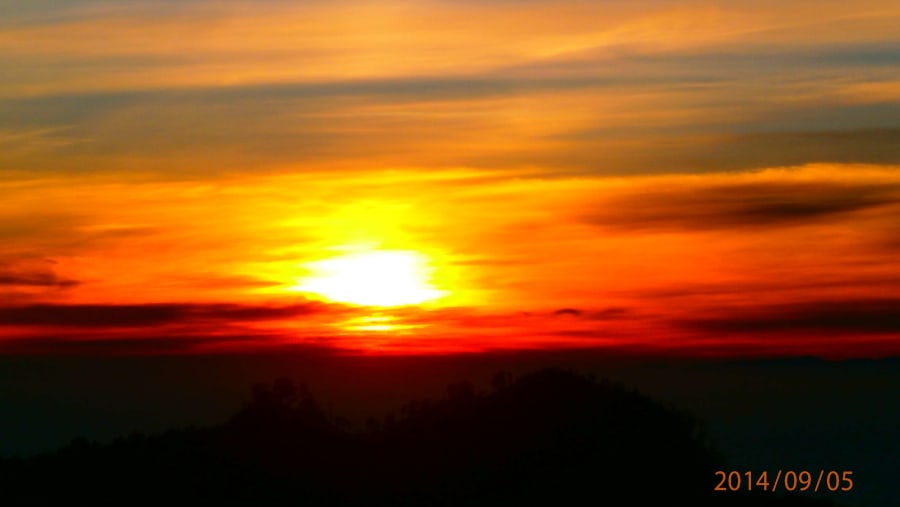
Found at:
<point>743,204</point>
<point>148,315</point>
<point>32,274</point>
<point>570,86</point>
<point>821,318</point>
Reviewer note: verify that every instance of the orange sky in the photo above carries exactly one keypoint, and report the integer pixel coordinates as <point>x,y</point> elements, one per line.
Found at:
<point>652,177</point>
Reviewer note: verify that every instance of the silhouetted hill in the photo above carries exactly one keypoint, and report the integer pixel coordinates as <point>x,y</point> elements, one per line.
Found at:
<point>548,438</point>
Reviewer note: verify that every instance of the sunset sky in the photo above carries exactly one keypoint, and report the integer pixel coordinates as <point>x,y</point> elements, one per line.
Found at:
<point>656,177</point>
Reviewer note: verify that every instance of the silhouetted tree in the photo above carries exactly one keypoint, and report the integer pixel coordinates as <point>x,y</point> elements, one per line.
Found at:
<point>501,380</point>
<point>552,437</point>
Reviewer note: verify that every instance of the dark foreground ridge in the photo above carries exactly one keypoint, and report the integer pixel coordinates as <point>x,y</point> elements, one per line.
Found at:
<point>548,438</point>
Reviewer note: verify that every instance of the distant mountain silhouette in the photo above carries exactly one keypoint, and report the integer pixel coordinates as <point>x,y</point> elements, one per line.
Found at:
<point>549,438</point>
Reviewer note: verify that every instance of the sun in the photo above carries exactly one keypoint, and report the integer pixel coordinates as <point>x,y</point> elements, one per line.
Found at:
<point>372,278</point>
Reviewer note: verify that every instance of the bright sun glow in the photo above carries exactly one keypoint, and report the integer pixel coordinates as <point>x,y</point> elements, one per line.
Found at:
<point>372,278</point>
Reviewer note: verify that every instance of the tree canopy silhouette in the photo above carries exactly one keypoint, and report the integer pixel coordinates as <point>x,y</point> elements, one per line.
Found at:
<point>552,437</point>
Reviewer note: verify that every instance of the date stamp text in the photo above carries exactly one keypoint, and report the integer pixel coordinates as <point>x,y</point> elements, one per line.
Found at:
<point>785,480</point>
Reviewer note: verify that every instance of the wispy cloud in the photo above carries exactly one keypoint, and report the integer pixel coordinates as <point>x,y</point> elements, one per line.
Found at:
<point>594,87</point>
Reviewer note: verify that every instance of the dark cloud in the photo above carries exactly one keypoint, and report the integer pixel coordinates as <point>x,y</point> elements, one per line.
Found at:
<point>154,344</point>
<point>740,205</point>
<point>113,316</point>
<point>133,345</point>
<point>828,317</point>
<point>91,315</point>
<point>610,313</point>
<point>35,280</point>
<point>31,273</point>
<point>763,287</point>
